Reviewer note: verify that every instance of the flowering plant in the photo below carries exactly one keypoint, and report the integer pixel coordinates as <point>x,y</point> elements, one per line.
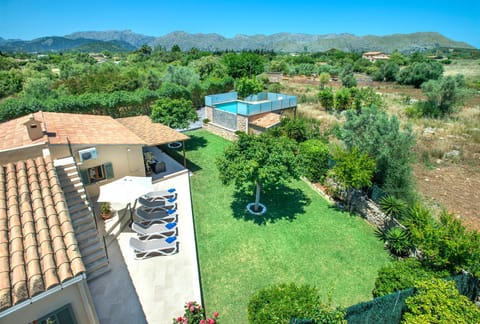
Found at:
<point>195,314</point>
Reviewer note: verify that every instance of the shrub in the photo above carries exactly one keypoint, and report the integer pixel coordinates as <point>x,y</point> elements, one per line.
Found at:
<point>280,303</point>
<point>379,135</point>
<point>398,241</point>
<point>402,274</point>
<point>438,301</point>
<point>314,156</point>
<point>446,244</point>
<point>195,314</point>
<point>343,99</point>
<point>326,98</point>
<point>392,206</point>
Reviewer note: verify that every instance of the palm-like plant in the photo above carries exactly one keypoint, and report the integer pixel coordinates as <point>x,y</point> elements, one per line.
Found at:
<point>392,206</point>
<point>398,241</point>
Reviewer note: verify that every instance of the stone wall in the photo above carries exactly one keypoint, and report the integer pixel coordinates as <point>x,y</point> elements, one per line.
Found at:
<point>209,113</point>
<point>368,209</point>
<point>242,123</point>
<point>220,131</point>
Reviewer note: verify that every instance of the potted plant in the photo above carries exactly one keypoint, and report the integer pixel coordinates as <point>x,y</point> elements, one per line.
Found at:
<point>105,210</point>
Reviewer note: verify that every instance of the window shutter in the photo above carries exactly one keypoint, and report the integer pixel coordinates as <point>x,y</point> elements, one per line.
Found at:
<point>108,170</point>
<point>84,176</point>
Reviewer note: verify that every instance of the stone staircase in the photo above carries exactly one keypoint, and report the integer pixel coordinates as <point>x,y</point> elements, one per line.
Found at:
<point>91,243</point>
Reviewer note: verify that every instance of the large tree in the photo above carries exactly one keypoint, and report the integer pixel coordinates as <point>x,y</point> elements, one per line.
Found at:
<point>243,65</point>
<point>380,136</point>
<point>175,113</point>
<point>257,161</point>
<point>248,86</point>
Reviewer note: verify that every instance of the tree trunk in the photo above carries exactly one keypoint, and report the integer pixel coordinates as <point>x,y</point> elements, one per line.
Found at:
<point>257,197</point>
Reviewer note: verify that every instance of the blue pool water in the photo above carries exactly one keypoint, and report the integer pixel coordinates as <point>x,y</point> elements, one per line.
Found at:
<point>230,106</point>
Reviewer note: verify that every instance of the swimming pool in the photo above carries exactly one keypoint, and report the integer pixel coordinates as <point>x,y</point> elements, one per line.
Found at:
<point>230,106</point>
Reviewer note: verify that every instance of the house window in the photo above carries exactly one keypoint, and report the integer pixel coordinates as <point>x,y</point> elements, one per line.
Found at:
<point>63,315</point>
<point>97,173</point>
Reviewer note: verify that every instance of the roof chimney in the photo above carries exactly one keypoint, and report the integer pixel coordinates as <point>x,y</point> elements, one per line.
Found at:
<point>34,128</point>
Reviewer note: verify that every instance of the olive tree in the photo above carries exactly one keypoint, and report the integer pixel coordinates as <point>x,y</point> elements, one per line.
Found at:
<point>255,161</point>
<point>175,113</point>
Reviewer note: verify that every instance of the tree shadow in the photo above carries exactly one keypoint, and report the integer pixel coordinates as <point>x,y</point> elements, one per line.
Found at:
<point>194,143</point>
<point>282,202</point>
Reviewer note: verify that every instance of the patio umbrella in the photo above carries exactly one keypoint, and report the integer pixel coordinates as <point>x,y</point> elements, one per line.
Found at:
<point>125,190</point>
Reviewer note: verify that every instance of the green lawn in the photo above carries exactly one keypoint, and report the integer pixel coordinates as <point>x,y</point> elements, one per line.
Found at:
<point>301,239</point>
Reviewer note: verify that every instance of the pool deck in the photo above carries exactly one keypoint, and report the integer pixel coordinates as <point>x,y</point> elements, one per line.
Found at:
<point>153,290</point>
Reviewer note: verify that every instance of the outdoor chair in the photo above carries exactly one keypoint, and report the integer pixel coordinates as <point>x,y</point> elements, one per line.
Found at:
<point>159,201</point>
<point>148,214</point>
<point>155,197</point>
<point>173,218</point>
<point>149,248</point>
<point>155,230</point>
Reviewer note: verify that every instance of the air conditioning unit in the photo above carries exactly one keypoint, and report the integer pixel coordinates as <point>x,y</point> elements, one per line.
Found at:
<point>88,154</point>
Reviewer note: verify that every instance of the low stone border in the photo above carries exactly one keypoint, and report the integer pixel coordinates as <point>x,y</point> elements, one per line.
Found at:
<point>250,209</point>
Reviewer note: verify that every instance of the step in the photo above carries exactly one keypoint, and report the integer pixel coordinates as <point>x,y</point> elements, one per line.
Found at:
<point>85,227</point>
<point>63,174</point>
<point>76,207</point>
<point>86,235</point>
<point>87,243</point>
<point>73,194</point>
<point>81,213</point>
<point>93,248</point>
<point>91,258</point>
<point>67,181</point>
<point>75,199</point>
<point>98,268</point>
<point>71,187</point>
<point>79,221</point>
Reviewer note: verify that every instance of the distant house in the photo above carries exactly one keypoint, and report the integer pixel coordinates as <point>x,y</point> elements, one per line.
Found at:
<point>254,114</point>
<point>375,56</point>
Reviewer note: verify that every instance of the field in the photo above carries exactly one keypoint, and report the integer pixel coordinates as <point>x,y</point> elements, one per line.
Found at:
<point>444,182</point>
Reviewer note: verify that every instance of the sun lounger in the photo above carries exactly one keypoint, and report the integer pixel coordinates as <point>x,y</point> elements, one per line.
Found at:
<point>148,214</point>
<point>156,201</point>
<point>157,197</point>
<point>155,230</point>
<point>148,248</point>
<point>147,222</point>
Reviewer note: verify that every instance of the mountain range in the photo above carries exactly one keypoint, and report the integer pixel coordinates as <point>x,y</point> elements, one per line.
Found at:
<point>127,40</point>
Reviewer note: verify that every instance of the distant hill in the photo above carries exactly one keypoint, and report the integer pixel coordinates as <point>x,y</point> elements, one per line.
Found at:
<point>62,44</point>
<point>127,36</point>
<point>281,42</point>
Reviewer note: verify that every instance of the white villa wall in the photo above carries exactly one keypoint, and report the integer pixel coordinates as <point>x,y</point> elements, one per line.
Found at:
<point>77,294</point>
<point>125,159</point>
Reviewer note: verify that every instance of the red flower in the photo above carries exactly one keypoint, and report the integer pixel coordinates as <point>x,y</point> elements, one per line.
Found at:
<point>211,321</point>
<point>202,322</point>
<point>215,314</point>
<point>192,309</point>
<point>179,319</point>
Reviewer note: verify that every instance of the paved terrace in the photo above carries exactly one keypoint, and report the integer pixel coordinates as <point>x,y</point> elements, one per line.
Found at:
<point>152,290</point>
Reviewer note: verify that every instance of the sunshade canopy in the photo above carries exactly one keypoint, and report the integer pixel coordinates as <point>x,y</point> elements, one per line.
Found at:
<point>125,190</point>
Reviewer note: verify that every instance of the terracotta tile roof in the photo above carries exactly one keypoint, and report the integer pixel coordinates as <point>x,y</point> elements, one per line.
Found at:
<point>14,134</point>
<point>87,129</point>
<point>265,120</point>
<point>152,133</point>
<point>38,248</point>
<point>78,128</point>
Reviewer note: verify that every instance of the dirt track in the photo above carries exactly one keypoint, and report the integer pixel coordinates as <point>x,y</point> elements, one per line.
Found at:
<point>455,187</point>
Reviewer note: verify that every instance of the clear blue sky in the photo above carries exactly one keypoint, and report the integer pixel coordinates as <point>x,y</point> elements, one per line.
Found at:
<point>29,19</point>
